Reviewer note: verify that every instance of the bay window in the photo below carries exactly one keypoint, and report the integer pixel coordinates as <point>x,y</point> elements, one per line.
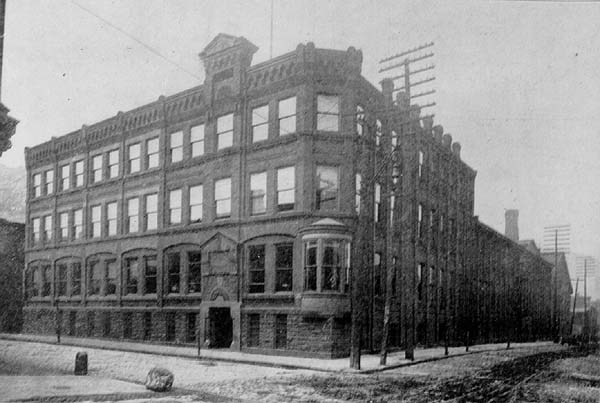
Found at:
<point>326,263</point>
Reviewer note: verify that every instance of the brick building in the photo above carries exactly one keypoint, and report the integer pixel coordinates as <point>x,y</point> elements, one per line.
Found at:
<point>232,214</point>
<point>12,241</point>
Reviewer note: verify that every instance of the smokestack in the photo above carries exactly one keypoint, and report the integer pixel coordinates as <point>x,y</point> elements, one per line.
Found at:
<point>511,229</point>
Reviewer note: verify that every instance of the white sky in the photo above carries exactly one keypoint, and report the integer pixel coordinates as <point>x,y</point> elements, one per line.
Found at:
<point>518,83</point>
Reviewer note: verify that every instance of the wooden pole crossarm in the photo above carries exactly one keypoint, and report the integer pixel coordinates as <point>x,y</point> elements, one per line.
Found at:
<point>426,68</point>
<point>406,52</point>
<point>406,61</point>
<point>428,79</point>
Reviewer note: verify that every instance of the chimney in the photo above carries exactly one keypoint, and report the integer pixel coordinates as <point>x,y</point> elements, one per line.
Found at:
<point>512,224</point>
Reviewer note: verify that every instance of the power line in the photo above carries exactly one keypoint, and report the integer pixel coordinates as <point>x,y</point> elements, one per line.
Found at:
<point>133,38</point>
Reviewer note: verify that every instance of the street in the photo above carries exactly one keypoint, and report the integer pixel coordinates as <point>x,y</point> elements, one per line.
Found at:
<point>536,373</point>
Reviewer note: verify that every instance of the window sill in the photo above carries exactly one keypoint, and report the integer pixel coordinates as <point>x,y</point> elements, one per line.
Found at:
<point>277,295</point>
<point>134,297</point>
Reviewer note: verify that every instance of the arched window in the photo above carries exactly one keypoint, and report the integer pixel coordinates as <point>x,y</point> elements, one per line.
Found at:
<point>140,272</point>
<point>182,269</point>
<point>269,265</point>
<point>102,274</point>
<point>33,280</point>
<point>67,277</point>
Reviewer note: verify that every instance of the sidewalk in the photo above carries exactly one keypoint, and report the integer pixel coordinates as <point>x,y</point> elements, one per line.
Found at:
<point>66,387</point>
<point>369,362</point>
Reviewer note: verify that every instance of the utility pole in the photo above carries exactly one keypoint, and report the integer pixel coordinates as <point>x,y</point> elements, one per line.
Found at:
<point>585,315</point>
<point>574,305</point>
<point>392,239</point>
<point>555,293</point>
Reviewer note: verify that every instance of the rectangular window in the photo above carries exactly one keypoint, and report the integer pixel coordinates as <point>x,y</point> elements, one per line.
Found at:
<point>147,325</point>
<point>72,322</point>
<point>260,123</point>
<point>286,188</point>
<point>196,199</point>
<point>284,258</point>
<point>47,228</point>
<point>152,156</point>
<point>191,327</point>
<point>131,275</point>
<point>421,161</point>
<point>113,164</point>
<point>46,280</point>
<point>127,325</point>
<point>225,131</point>
<point>65,177</point>
<point>360,120</point>
<point>176,147</point>
<point>97,168</point>
<point>151,270</point>
<point>197,140</point>
<point>310,266</point>
<point>223,197</point>
<point>111,219</point>
<point>133,206</point>
<point>96,222</point>
<point>258,193</point>
<point>106,324</point>
<point>357,189</point>
<point>378,132</point>
<point>63,226</point>
<point>256,259</point>
<point>327,188</point>
<point>78,173</point>
<point>111,277</point>
<point>194,272</point>
<point>377,202</point>
<point>287,116</point>
<point>253,330</point>
<point>95,277</point>
<point>91,323</point>
<point>76,279</point>
<point>170,324</point>
<point>151,213</point>
<point>61,280</point>
<point>332,264</point>
<point>175,206</point>
<point>49,178</point>
<point>37,185</point>
<point>134,155</point>
<point>328,108</point>
<point>280,331</point>
<point>173,272</point>
<point>77,229</point>
<point>35,227</point>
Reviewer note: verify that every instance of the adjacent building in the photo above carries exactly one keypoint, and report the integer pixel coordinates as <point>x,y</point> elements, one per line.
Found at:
<point>12,241</point>
<point>240,213</point>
